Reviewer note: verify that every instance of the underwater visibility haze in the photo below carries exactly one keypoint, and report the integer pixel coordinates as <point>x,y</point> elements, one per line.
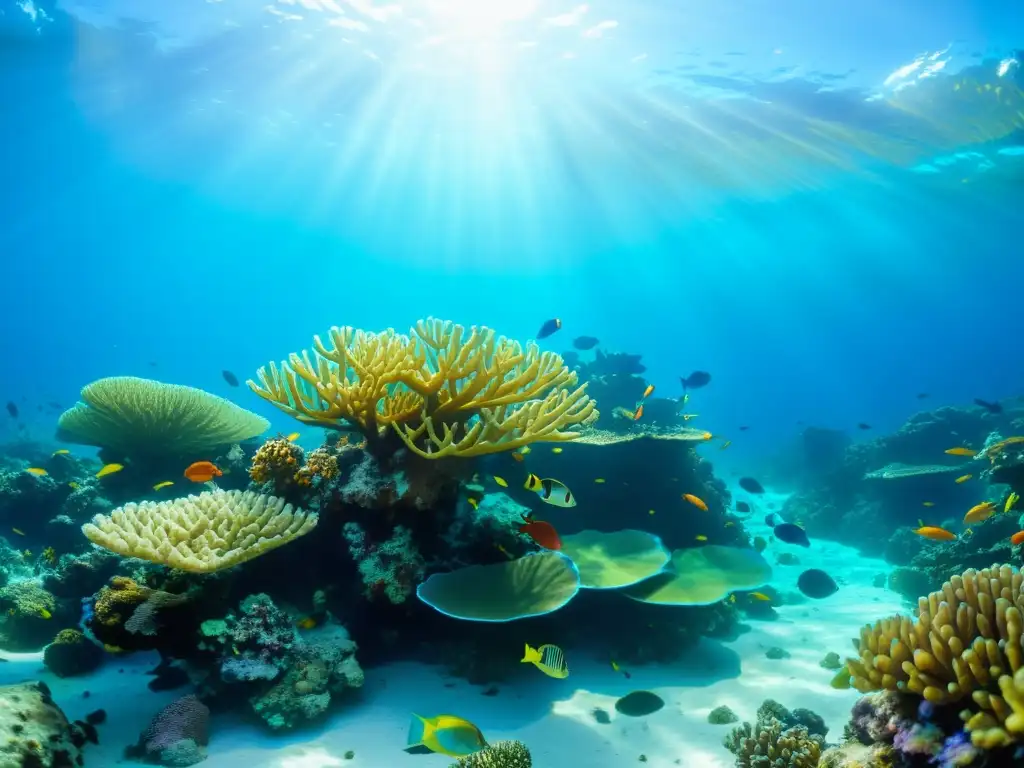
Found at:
<point>510,383</point>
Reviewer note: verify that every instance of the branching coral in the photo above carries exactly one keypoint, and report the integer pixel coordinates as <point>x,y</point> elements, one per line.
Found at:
<point>141,418</point>
<point>965,644</point>
<point>443,391</point>
<point>766,745</point>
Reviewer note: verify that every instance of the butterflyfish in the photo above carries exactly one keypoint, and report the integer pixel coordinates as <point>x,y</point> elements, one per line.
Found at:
<point>502,483</point>
<point>446,735</point>
<point>697,502</point>
<point>164,484</point>
<point>1011,500</point>
<point>550,491</point>
<point>549,327</point>
<point>292,437</point>
<point>549,659</point>
<point>37,471</point>
<point>961,452</point>
<point>963,478</point>
<point>980,512</point>
<point>61,452</point>
<point>202,471</point>
<point>934,533</point>
<point>109,469</point>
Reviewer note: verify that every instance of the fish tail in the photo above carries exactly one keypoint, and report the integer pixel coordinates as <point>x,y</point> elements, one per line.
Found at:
<point>530,655</point>
<point>419,730</point>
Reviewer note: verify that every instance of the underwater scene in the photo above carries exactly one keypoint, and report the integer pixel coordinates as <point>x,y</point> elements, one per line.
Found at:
<point>511,384</point>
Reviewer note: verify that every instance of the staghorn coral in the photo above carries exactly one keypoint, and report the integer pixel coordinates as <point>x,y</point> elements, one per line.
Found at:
<point>766,745</point>
<point>429,386</point>
<point>500,754</point>
<point>201,534</point>
<point>142,418</point>
<point>964,645</point>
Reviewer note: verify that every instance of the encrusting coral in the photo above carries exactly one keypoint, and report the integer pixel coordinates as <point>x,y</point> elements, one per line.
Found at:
<point>443,392</point>
<point>144,418</point>
<point>201,534</point>
<point>965,644</point>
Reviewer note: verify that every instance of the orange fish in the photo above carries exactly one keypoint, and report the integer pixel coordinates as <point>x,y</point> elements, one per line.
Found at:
<point>202,471</point>
<point>542,533</point>
<point>648,391</point>
<point>934,533</point>
<point>639,413</point>
<point>980,512</point>
<point>961,452</point>
<point>698,503</point>
<point>1017,538</point>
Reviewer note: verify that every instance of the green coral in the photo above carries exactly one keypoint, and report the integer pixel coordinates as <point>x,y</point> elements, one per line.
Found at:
<point>501,754</point>
<point>26,609</point>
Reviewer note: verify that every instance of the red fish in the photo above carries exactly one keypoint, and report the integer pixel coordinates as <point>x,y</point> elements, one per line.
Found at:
<point>543,533</point>
<point>202,471</point>
<point>1017,538</point>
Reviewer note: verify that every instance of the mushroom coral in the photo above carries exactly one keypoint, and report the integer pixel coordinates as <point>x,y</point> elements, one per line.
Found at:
<point>443,390</point>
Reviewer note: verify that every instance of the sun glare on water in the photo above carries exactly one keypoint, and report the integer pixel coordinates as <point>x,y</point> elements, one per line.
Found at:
<point>480,16</point>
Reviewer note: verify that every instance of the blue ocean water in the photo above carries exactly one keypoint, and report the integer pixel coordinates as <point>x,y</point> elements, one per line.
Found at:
<point>812,201</point>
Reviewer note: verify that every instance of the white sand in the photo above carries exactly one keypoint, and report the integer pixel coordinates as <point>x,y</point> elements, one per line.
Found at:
<point>552,717</point>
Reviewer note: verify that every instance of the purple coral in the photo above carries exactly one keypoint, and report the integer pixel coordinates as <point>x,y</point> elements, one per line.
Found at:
<point>957,751</point>
<point>186,719</point>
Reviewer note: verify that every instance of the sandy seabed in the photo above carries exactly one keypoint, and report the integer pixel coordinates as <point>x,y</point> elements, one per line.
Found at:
<point>553,717</point>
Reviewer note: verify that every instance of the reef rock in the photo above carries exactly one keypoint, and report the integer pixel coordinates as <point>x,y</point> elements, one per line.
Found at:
<point>34,733</point>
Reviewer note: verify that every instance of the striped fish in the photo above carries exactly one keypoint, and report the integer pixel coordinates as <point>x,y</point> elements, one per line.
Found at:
<point>549,659</point>
<point>550,491</point>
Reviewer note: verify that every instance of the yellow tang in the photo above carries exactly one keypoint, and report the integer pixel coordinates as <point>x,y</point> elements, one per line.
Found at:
<point>164,484</point>
<point>445,734</point>
<point>36,471</point>
<point>501,481</point>
<point>109,469</point>
<point>549,659</point>
<point>292,437</point>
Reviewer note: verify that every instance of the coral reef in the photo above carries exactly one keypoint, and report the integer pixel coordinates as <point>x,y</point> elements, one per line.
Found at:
<point>201,534</point>
<point>392,568</point>
<point>176,736</point>
<point>71,653</point>
<point>26,613</point>
<point>500,754</point>
<point>428,386</point>
<point>127,615</point>
<point>146,420</point>
<point>769,743</point>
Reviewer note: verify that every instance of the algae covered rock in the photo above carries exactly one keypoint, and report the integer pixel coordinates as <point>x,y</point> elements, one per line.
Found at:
<point>34,733</point>
<point>71,653</point>
<point>722,716</point>
<point>26,610</point>
<point>501,754</point>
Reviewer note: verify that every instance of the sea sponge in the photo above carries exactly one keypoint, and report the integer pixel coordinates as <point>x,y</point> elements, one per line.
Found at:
<point>533,585</point>
<point>142,418</point>
<point>201,534</point>
<point>430,387</point>
<point>616,559</point>
<point>965,644</point>
<point>500,754</point>
<point>704,575</point>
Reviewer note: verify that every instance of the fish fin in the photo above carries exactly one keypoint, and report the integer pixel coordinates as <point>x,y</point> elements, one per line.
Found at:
<point>530,655</point>
<point>419,730</point>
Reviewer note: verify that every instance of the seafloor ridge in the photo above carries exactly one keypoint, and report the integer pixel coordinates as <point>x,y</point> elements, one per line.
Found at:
<point>201,592</point>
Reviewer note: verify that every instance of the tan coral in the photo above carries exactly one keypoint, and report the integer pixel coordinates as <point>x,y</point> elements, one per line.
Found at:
<point>201,534</point>
<point>767,744</point>
<point>445,391</point>
<point>965,644</point>
<point>276,461</point>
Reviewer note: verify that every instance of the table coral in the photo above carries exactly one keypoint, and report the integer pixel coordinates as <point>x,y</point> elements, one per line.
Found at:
<point>964,645</point>
<point>442,390</point>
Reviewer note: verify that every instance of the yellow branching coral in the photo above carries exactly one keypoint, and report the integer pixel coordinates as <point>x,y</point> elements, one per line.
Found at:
<point>965,644</point>
<point>201,534</point>
<point>443,390</point>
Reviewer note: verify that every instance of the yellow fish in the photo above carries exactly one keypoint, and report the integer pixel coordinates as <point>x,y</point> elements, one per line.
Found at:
<point>961,452</point>
<point>599,480</point>
<point>650,511</point>
<point>549,659</point>
<point>45,614</point>
<point>500,481</point>
<point>109,469</point>
<point>307,622</point>
<point>292,437</point>
<point>525,450</point>
<point>726,444</point>
<point>72,486</point>
<point>730,524</point>
<point>446,735</point>
<point>505,552</point>
<point>615,666</point>
<point>550,491</point>
<point>557,450</point>
<point>1012,499</point>
<point>963,478</point>
<point>37,471</point>
<point>473,503</point>
<point>980,512</point>
<point>61,452</point>
<point>927,503</point>
<point>18,531</point>
<point>164,484</point>
<point>760,596</point>
<point>702,538</point>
